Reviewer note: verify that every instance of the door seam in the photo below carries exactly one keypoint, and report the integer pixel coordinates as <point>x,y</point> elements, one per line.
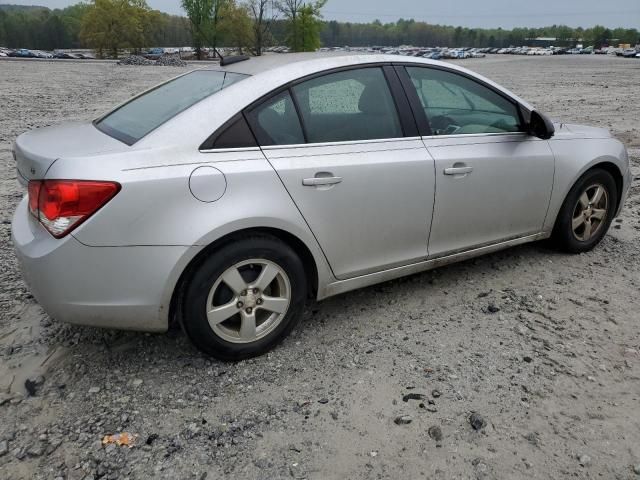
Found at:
<point>301,215</point>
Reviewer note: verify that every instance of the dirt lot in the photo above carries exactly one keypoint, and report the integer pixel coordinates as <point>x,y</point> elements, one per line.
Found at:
<point>554,373</point>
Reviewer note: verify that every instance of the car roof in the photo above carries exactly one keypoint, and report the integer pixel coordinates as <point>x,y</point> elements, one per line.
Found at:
<point>265,75</point>
<point>288,66</point>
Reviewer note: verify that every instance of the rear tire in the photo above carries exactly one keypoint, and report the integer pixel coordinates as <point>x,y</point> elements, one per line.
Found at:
<point>244,298</point>
<point>587,212</point>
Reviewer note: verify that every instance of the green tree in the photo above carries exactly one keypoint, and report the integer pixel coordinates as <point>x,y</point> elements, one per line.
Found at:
<point>109,25</point>
<point>199,13</point>
<point>303,23</point>
<point>205,17</point>
<point>262,13</point>
<point>308,27</point>
<point>235,26</point>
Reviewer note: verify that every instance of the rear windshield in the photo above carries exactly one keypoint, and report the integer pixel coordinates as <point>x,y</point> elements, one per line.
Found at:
<point>135,119</point>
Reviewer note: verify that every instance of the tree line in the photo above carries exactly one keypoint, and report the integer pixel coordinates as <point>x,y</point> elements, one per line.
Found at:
<point>44,29</point>
<point>411,32</point>
<point>110,25</point>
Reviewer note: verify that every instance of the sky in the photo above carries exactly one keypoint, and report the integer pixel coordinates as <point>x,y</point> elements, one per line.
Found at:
<point>466,13</point>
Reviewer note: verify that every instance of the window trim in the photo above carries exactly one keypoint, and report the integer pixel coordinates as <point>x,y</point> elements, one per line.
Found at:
<point>296,105</point>
<point>396,95</point>
<point>294,146</point>
<point>421,116</point>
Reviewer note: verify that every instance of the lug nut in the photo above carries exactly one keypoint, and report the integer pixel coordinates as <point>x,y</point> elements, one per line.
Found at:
<point>239,304</point>
<point>255,290</point>
<point>259,301</point>
<point>249,310</point>
<point>243,293</point>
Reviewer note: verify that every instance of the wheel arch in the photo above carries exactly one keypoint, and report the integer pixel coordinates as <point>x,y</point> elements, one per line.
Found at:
<point>301,249</point>
<point>617,175</point>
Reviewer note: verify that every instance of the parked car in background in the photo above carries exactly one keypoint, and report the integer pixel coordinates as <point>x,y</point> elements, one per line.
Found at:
<point>629,53</point>
<point>154,53</point>
<point>22,53</point>
<point>311,176</point>
<point>41,54</point>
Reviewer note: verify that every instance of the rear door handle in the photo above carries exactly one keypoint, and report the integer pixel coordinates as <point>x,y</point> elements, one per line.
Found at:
<point>458,170</point>
<point>316,181</point>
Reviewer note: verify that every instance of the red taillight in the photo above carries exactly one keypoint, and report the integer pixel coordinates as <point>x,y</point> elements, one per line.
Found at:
<point>62,205</point>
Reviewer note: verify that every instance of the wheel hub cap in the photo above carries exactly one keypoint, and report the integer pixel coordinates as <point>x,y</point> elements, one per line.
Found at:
<point>250,300</point>
<point>590,212</point>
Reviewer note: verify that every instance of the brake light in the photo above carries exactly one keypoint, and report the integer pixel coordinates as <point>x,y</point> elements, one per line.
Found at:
<point>62,205</point>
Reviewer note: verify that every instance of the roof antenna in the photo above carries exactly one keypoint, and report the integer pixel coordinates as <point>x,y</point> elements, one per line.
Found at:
<point>229,60</point>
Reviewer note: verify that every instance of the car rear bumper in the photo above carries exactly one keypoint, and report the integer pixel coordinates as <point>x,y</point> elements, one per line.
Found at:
<point>113,287</point>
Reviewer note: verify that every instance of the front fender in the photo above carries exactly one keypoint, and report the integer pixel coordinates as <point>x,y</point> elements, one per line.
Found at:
<point>573,158</point>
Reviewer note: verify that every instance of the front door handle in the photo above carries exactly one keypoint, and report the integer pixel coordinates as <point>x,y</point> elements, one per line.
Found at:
<point>317,181</point>
<point>458,170</point>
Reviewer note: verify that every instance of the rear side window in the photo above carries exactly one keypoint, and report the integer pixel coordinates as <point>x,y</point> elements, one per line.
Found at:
<point>235,134</point>
<point>346,106</point>
<point>135,119</point>
<point>276,122</point>
<point>456,105</point>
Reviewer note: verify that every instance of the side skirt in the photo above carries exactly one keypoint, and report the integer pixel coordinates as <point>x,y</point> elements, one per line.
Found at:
<point>342,286</point>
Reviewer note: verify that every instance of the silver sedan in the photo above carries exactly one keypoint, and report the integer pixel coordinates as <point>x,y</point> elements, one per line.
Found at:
<point>225,197</point>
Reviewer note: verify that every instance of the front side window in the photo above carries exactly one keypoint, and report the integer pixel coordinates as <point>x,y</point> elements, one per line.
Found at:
<point>347,106</point>
<point>135,119</point>
<point>457,105</point>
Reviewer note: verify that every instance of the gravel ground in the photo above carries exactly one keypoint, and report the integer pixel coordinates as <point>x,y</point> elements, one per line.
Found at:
<point>521,364</point>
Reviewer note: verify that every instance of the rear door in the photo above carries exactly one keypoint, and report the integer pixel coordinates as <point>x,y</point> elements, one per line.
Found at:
<point>493,181</point>
<point>347,150</point>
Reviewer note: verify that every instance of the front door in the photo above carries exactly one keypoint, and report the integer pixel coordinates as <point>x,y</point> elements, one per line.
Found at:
<point>493,182</point>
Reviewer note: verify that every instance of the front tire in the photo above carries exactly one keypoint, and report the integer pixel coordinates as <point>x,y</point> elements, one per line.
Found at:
<point>587,212</point>
<point>244,298</point>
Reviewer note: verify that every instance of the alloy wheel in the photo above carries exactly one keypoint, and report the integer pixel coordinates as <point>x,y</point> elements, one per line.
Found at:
<point>590,212</point>
<point>248,301</point>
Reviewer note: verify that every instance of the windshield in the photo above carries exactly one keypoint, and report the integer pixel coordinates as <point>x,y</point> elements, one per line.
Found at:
<point>137,118</point>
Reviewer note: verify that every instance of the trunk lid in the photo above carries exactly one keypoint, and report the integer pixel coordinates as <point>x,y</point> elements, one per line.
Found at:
<point>35,151</point>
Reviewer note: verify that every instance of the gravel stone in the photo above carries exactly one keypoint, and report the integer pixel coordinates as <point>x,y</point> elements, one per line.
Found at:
<point>403,420</point>
<point>584,460</point>
<point>435,432</point>
<point>477,421</point>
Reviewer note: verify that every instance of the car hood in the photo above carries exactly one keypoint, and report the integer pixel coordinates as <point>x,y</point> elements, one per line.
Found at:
<point>36,150</point>
<point>580,131</point>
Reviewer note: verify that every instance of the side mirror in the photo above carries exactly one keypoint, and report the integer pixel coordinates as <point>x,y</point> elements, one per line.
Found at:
<point>540,126</point>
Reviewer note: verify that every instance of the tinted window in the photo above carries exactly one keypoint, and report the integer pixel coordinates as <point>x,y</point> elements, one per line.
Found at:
<point>457,105</point>
<point>236,134</point>
<point>143,114</point>
<point>349,105</point>
<point>276,121</point>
